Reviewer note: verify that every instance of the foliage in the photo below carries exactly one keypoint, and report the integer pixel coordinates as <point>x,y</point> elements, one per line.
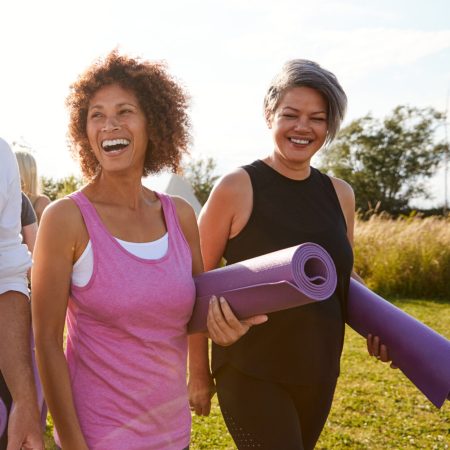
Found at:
<point>387,162</point>
<point>200,174</point>
<point>408,256</point>
<point>57,188</point>
<point>374,407</point>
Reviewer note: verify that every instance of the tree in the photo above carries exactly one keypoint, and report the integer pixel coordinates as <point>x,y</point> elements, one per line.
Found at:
<point>200,174</point>
<point>55,189</point>
<point>387,162</point>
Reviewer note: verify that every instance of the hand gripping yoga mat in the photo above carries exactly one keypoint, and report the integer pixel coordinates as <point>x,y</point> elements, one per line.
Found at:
<point>418,351</point>
<point>280,280</point>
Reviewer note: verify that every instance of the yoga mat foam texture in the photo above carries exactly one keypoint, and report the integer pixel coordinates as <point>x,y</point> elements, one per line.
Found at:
<point>280,280</point>
<point>418,351</point>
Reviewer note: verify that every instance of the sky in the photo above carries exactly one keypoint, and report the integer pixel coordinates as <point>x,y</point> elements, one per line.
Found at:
<point>225,53</point>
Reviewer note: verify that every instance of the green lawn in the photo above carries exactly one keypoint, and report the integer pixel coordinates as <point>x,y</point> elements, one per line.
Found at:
<point>375,407</point>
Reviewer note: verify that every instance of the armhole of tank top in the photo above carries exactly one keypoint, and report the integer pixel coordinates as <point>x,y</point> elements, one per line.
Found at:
<point>251,217</point>
<point>172,221</point>
<point>86,209</point>
<point>335,197</point>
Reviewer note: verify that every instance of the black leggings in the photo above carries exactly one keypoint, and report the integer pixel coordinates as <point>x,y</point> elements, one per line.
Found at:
<point>271,416</point>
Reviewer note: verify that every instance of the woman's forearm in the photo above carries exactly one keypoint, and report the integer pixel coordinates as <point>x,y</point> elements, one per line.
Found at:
<point>55,380</point>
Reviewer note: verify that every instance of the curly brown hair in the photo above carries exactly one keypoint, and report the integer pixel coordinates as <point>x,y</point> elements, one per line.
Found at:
<point>162,99</point>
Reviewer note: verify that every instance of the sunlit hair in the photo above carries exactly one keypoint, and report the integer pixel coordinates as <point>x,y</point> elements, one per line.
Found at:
<point>304,73</point>
<point>161,98</point>
<point>28,174</point>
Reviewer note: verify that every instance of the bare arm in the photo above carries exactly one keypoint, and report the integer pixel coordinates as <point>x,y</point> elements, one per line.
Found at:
<point>200,384</point>
<point>15,362</point>
<point>224,215</point>
<point>41,203</point>
<point>24,429</point>
<point>29,233</point>
<point>54,254</point>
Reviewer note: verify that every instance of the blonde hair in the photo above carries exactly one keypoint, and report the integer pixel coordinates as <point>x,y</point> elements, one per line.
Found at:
<point>28,174</point>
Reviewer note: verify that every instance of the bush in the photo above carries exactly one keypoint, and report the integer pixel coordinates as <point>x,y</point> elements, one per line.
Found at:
<point>405,257</point>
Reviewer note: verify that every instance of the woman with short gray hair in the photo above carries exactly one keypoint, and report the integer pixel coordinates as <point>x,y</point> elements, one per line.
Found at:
<point>275,386</point>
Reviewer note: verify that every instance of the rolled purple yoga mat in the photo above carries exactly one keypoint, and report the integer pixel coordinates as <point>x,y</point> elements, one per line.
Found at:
<point>3,417</point>
<point>280,280</point>
<point>419,352</point>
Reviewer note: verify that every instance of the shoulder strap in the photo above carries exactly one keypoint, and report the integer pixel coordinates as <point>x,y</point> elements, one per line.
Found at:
<point>91,218</point>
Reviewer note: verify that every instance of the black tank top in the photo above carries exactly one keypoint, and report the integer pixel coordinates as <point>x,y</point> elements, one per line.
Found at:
<point>302,345</point>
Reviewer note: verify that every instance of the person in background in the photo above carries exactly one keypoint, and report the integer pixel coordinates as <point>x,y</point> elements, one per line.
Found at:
<point>275,385</point>
<point>17,388</point>
<point>28,222</point>
<point>30,182</point>
<point>117,260</point>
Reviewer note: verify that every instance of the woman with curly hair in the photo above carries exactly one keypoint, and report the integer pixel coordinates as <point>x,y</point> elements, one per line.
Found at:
<point>117,260</point>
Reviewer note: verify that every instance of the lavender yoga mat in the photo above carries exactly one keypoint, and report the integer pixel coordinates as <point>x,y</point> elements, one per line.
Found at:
<point>3,417</point>
<point>280,280</point>
<point>420,353</point>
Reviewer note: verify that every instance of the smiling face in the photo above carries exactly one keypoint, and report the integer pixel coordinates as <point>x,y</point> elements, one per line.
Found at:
<point>299,127</point>
<point>117,129</point>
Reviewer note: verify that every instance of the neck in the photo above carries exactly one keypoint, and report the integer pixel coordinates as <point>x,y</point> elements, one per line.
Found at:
<point>120,189</point>
<point>289,169</point>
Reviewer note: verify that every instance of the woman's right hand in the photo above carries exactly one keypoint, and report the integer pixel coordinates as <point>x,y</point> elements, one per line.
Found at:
<point>224,327</point>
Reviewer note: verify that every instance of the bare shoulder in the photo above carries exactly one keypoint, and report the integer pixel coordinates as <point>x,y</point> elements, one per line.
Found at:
<point>183,207</point>
<point>62,215</point>
<point>186,216</point>
<point>343,190</point>
<point>42,201</point>
<point>235,182</point>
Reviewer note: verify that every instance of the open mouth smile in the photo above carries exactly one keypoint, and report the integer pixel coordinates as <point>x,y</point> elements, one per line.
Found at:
<point>115,145</point>
<point>300,141</point>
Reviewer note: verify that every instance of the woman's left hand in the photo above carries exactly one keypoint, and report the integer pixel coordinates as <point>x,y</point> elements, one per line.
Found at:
<point>223,326</point>
<point>379,350</point>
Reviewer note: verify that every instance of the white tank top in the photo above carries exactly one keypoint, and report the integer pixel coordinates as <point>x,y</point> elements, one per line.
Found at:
<point>83,267</point>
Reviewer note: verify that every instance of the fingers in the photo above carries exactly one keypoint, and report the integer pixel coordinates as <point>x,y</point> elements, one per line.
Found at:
<point>383,354</point>
<point>255,320</point>
<point>230,318</point>
<point>379,350</point>
<point>215,321</point>
<point>223,326</point>
<point>370,344</point>
<point>201,408</point>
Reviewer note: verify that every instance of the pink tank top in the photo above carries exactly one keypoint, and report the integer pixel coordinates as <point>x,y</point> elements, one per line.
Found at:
<point>127,341</point>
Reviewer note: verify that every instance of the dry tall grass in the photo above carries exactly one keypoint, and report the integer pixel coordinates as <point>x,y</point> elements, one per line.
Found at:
<point>404,257</point>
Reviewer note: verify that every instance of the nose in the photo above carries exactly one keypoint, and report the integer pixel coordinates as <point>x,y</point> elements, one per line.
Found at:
<point>302,123</point>
<point>111,124</point>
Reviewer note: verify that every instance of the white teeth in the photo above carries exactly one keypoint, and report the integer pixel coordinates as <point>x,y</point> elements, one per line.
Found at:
<point>300,141</point>
<point>112,142</point>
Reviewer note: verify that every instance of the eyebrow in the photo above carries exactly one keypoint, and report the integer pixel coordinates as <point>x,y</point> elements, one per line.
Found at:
<point>295,109</point>
<point>118,106</point>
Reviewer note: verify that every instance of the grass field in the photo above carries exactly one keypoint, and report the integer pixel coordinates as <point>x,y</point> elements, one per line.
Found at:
<point>404,257</point>
<point>375,407</point>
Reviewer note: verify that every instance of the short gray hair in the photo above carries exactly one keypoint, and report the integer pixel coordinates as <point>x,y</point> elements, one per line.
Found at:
<point>302,72</point>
